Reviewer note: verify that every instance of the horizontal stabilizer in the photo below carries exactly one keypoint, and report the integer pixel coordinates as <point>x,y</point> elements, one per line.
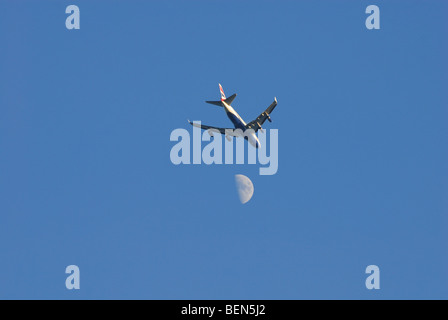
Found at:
<point>217,103</point>
<point>229,101</point>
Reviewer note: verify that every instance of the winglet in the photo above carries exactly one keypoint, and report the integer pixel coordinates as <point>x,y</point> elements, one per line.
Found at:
<point>194,124</point>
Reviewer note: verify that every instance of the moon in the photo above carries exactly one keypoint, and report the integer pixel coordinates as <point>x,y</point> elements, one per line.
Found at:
<point>244,187</point>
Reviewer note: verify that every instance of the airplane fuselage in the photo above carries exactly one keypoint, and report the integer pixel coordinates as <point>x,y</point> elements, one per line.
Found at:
<point>239,123</point>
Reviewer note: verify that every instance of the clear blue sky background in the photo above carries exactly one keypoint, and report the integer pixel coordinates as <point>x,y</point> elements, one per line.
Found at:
<point>86,178</point>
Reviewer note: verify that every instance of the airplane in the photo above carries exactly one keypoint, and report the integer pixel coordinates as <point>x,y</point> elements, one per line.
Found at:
<point>237,121</point>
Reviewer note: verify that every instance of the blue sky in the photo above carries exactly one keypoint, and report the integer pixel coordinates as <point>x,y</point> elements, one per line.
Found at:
<point>86,178</point>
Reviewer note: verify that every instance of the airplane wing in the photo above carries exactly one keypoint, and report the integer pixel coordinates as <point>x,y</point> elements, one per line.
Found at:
<point>257,123</point>
<point>229,132</point>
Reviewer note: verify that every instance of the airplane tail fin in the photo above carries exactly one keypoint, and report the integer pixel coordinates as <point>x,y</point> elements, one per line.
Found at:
<point>228,100</point>
<point>223,96</point>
